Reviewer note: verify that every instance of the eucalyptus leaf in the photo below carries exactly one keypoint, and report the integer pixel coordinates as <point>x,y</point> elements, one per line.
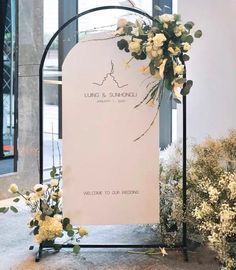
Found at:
<point>122,44</point>
<point>198,34</point>
<point>57,247</point>
<point>65,222</point>
<point>16,200</point>
<point>69,227</point>
<point>70,233</point>
<point>4,209</point>
<point>189,25</point>
<point>188,39</point>
<point>76,249</point>
<point>186,57</point>
<point>13,209</point>
<point>187,88</point>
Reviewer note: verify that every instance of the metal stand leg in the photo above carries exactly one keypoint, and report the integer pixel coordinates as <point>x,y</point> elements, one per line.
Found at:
<point>185,254</point>
<point>39,254</point>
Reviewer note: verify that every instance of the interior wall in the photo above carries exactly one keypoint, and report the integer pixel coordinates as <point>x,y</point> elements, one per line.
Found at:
<point>211,105</point>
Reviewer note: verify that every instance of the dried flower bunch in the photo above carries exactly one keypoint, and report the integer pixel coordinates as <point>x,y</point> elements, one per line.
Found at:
<point>211,214</point>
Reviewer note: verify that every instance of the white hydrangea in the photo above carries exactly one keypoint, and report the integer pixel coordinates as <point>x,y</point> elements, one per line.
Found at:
<point>49,229</point>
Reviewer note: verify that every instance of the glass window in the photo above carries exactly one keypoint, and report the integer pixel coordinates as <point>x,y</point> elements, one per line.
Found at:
<point>8,94</point>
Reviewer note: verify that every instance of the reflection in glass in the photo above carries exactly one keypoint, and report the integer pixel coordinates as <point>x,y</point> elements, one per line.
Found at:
<point>8,145</point>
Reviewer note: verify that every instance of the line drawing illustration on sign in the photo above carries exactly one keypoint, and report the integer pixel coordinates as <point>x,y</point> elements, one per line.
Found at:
<point>110,74</point>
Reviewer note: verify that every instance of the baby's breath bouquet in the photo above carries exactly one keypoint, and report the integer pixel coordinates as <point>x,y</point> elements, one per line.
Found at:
<point>166,44</point>
<point>47,223</point>
<point>211,207</point>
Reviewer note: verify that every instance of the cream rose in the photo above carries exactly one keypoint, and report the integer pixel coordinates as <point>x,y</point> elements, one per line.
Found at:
<point>165,18</point>
<point>186,46</point>
<point>82,231</point>
<point>13,188</point>
<point>178,69</point>
<point>54,182</point>
<point>179,30</point>
<point>134,46</point>
<point>159,39</point>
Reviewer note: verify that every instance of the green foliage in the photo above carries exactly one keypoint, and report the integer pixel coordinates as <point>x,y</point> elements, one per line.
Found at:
<point>76,249</point>
<point>189,25</point>
<point>165,43</point>
<point>53,172</point>
<point>198,34</point>
<point>187,87</point>
<point>4,209</point>
<point>13,209</point>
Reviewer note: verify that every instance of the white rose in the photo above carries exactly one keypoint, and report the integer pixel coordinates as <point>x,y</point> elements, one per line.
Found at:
<point>13,188</point>
<point>165,18</point>
<point>54,182</point>
<point>159,39</point>
<point>186,46</point>
<point>134,46</point>
<point>122,22</point>
<point>40,189</point>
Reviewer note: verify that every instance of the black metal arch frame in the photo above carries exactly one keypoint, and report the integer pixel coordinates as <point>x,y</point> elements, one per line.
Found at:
<point>183,246</point>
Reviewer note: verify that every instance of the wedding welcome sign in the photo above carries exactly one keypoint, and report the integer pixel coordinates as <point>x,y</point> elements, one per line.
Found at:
<point>109,177</point>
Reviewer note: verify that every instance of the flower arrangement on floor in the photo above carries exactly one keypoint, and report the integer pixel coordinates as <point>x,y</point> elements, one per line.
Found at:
<point>211,214</point>
<point>166,44</point>
<point>47,223</point>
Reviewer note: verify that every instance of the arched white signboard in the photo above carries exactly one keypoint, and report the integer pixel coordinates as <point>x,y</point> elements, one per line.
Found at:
<point>108,177</point>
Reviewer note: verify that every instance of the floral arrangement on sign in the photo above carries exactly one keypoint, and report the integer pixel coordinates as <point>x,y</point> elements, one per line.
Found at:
<point>166,44</point>
<point>47,223</point>
<point>211,214</point>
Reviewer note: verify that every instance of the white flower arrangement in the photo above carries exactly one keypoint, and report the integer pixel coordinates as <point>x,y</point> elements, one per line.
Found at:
<point>47,223</point>
<point>166,44</point>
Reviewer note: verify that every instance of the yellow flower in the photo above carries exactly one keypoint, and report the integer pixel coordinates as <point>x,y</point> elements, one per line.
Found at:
<point>13,188</point>
<point>82,231</point>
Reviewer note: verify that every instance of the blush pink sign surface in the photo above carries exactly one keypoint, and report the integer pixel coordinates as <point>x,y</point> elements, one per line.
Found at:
<point>108,177</point>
